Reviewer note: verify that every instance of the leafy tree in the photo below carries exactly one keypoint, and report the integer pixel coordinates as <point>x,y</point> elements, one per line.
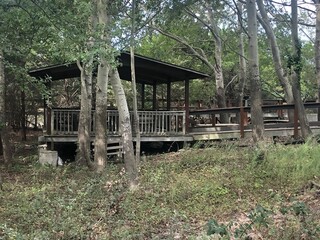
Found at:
<point>199,16</point>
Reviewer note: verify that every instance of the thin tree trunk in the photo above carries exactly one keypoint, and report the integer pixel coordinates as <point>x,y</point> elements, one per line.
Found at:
<point>4,133</point>
<point>84,128</point>
<point>218,73</point>
<point>242,60</point>
<point>134,86</point>
<point>254,75</point>
<point>23,116</point>
<point>317,51</point>
<point>1,148</point>
<point>125,128</point>
<point>296,72</point>
<point>100,144</point>
<point>282,75</point>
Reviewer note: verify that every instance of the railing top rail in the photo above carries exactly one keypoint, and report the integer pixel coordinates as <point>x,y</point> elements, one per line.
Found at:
<point>149,111</point>
<point>247,109</point>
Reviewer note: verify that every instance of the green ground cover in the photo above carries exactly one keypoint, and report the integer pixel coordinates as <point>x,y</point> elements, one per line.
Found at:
<point>222,191</point>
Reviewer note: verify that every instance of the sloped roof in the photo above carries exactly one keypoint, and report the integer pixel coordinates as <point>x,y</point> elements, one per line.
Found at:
<point>148,71</point>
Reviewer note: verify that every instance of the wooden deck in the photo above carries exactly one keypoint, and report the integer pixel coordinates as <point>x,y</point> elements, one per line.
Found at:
<point>181,126</point>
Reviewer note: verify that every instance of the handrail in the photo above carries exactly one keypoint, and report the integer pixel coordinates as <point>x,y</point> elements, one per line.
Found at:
<point>166,123</point>
<point>244,110</point>
<point>247,109</point>
<point>65,121</point>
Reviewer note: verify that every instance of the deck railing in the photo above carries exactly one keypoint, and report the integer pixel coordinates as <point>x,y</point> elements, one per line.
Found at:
<point>65,122</point>
<point>243,113</point>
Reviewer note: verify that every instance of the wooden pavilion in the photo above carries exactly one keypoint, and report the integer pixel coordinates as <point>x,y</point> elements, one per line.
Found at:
<point>156,125</point>
<point>167,125</point>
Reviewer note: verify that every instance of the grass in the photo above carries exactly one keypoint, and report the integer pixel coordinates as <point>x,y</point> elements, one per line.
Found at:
<point>179,194</point>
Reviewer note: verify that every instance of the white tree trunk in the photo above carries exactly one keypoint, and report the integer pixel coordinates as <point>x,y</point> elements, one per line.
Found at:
<point>218,73</point>
<point>134,85</point>
<point>125,128</point>
<point>254,75</point>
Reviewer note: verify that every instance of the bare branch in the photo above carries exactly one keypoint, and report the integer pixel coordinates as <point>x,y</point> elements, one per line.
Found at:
<point>183,42</point>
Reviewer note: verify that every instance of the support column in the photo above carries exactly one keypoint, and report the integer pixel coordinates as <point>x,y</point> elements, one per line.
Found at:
<point>168,96</point>
<point>142,96</point>
<point>186,103</point>
<point>47,112</point>
<point>242,121</point>
<point>154,97</point>
<point>49,125</point>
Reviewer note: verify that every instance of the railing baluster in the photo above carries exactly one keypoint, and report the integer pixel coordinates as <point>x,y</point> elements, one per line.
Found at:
<point>162,116</point>
<point>177,123</point>
<point>151,122</point>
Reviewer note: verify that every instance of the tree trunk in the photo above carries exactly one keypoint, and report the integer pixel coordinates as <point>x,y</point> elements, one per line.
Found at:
<point>23,116</point>
<point>242,61</point>
<point>134,86</point>
<point>254,76</point>
<point>84,127</point>
<point>218,73</point>
<point>281,73</point>
<point>100,142</point>
<point>4,133</point>
<point>296,72</point>
<point>317,51</point>
<point>125,128</point>
<point>1,148</point>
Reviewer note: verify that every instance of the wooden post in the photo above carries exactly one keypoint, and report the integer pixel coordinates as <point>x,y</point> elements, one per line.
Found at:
<point>242,121</point>
<point>169,95</point>
<point>48,123</point>
<point>280,111</point>
<point>142,96</point>
<point>296,122</point>
<point>154,97</point>
<point>213,120</point>
<point>44,115</point>
<point>186,103</point>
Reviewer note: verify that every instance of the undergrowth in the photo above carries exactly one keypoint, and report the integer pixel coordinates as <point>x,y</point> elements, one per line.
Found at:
<point>178,196</point>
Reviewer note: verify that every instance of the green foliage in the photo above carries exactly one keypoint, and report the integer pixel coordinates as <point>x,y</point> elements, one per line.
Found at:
<point>293,165</point>
<point>178,193</point>
<point>215,228</point>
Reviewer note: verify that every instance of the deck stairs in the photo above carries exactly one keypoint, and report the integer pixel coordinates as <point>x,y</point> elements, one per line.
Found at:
<point>114,148</point>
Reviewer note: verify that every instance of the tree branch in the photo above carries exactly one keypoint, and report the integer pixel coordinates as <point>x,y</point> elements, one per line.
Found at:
<point>183,42</point>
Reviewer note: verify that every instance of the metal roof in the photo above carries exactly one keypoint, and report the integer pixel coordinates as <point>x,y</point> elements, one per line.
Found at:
<point>148,71</point>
